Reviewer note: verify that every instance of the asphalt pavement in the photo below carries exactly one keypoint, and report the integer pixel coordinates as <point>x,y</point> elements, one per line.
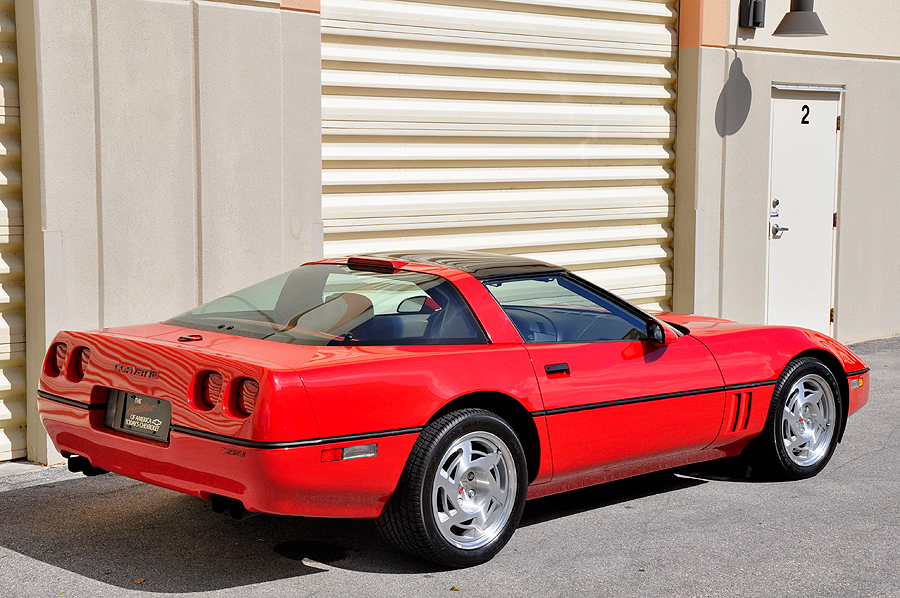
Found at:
<point>701,531</point>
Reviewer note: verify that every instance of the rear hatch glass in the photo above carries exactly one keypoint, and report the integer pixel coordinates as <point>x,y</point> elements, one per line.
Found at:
<point>330,304</point>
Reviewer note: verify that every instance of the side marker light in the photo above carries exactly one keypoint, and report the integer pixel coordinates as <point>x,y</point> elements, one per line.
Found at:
<point>349,452</point>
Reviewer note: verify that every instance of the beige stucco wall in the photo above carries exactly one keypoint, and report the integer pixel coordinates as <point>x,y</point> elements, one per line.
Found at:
<point>171,153</point>
<point>866,28</point>
<point>722,173</point>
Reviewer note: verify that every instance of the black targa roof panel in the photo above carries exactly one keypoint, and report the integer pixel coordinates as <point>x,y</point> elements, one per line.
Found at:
<point>480,265</point>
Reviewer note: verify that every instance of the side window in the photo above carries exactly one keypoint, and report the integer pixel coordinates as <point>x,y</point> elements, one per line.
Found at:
<point>398,309</point>
<point>555,309</point>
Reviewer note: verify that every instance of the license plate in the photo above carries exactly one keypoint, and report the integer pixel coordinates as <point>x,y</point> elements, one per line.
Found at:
<point>144,416</point>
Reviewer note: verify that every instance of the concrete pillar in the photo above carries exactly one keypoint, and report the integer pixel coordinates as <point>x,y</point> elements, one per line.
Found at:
<point>171,154</point>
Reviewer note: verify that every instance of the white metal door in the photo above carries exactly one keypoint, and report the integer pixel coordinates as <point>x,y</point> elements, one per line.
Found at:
<point>802,208</point>
<point>542,128</point>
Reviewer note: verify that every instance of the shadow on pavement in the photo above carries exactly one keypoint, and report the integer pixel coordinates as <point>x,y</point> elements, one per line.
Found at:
<point>117,531</point>
<point>733,469</point>
<point>603,495</point>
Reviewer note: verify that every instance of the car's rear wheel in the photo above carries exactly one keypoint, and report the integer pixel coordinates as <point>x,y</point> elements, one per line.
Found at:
<point>803,423</point>
<point>462,492</point>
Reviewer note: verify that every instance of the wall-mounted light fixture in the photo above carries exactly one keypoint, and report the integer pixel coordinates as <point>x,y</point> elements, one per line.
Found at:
<point>802,21</point>
<point>753,13</point>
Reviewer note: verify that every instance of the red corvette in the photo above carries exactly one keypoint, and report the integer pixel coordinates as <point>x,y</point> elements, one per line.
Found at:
<point>436,392</point>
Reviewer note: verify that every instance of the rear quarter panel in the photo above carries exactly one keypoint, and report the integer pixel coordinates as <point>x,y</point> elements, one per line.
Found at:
<point>365,389</point>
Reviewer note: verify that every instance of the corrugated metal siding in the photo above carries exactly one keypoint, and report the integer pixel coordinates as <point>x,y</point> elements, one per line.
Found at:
<point>12,264</point>
<point>535,127</point>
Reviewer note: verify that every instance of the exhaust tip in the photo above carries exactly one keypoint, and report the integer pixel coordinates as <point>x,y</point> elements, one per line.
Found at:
<point>77,463</point>
<point>219,504</point>
<point>223,504</point>
<point>237,511</point>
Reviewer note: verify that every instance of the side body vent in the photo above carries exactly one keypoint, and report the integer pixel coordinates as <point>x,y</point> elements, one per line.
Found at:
<point>744,415</point>
<point>740,412</point>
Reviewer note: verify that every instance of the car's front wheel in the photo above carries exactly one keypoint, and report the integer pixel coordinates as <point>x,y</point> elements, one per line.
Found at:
<point>803,423</point>
<point>462,492</point>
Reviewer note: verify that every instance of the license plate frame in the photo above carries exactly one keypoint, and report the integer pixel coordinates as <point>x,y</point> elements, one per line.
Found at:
<point>140,415</point>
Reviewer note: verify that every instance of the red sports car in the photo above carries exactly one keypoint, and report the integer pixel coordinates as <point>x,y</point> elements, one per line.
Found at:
<point>436,392</point>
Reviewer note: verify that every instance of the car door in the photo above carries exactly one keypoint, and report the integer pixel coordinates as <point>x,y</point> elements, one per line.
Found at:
<point>615,402</point>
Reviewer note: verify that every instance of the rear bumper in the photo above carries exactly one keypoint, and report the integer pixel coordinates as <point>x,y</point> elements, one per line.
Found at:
<point>285,481</point>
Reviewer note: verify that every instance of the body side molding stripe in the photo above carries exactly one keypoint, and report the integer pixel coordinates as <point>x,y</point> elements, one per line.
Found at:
<point>248,443</point>
<point>858,372</point>
<point>750,385</point>
<point>293,443</point>
<point>70,402</point>
<point>645,399</point>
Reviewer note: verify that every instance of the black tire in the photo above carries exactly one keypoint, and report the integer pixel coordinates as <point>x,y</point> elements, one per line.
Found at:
<point>803,423</point>
<point>442,493</point>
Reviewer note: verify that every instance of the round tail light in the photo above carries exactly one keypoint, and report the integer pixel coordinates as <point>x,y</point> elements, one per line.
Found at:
<point>247,393</point>
<point>211,390</point>
<point>56,360</point>
<point>79,364</point>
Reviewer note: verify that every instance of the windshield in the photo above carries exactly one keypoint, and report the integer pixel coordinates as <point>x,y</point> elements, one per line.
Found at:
<point>328,304</point>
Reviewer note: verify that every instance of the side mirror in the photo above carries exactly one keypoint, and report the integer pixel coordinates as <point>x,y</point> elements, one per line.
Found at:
<point>658,334</point>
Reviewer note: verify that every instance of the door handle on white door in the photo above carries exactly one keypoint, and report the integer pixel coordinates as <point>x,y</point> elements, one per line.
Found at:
<point>777,230</point>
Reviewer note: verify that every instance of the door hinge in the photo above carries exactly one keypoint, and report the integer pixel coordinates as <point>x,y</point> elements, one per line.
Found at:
<point>834,221</point>
<point>832,315</point>
<point>839,122</point>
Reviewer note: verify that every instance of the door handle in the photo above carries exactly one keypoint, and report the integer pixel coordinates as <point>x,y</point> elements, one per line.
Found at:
<point>777,230</point>
<point>557,368</point>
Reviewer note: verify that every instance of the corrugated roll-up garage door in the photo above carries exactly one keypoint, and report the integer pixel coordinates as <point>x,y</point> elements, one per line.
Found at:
<point>542,128</point>
<point>12,264</point>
